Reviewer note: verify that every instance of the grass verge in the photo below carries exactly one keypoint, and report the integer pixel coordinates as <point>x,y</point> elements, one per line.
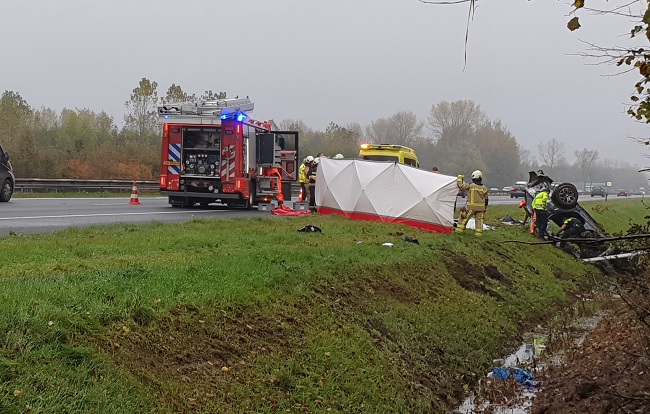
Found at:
<point>248,315</point>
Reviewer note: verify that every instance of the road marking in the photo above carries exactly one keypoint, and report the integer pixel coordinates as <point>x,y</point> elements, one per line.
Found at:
<point>113,214</point>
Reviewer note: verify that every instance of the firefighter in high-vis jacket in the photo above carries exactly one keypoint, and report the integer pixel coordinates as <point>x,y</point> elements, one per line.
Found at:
<point>477,202</point>
<point>312,181</point>
<point>539,205</point>
<point>303,177</point>
<point>571,227</point>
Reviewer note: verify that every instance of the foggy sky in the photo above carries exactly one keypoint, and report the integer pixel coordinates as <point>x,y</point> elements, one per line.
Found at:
<point>331,60</point>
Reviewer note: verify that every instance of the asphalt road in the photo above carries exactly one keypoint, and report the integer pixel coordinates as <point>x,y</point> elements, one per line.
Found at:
<point>42,215</point>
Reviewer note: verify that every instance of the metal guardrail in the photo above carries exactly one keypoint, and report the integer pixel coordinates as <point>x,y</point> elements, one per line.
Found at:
<point>78,185</point>
<point>43,185</point>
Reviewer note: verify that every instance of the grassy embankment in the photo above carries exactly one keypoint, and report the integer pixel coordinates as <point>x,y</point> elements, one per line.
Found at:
<point>248,315</point>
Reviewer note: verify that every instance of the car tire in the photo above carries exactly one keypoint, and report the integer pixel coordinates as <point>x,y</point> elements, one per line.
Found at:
<point>565,196</point>
<point>7,191</point>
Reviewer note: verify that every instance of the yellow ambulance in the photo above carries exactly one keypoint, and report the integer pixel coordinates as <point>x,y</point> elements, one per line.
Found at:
<point>389,152</point>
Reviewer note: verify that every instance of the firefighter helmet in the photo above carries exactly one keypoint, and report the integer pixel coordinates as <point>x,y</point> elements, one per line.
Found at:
<point>338,157</point>
<point>316,160</point>
<point>309,159</point>
<point>477,175</point>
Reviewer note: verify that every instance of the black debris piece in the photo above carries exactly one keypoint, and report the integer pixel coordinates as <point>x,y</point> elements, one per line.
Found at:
<point>310,228</point>
<point>411,240</point>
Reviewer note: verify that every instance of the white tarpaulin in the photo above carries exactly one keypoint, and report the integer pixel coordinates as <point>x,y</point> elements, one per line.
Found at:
<point>386,191</point>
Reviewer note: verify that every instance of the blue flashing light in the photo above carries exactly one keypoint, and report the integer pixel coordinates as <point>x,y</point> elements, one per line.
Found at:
<point>166,117</point>
<point>241,117</point>
<point>224,116</point>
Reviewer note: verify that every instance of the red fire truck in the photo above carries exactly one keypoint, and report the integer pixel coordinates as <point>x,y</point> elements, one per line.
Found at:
<point>213,151</point>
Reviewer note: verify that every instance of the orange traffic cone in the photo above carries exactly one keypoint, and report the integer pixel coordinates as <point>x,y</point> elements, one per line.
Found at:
<point>134,194</point>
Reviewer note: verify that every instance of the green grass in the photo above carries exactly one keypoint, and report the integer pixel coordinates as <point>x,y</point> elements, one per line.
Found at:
<point>248,315</point>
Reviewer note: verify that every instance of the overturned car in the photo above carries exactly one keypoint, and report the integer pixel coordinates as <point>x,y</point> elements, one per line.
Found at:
<point>593,245</point>
<point>563,203</point>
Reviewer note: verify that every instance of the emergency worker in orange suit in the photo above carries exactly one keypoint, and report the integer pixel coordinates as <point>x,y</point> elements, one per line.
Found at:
<point>276,172</point>
<point>303,177</point>
<point>527,216</point>
<point>477,202</point>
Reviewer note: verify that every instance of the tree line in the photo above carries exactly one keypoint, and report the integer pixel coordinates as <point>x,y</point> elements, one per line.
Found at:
<point>457,137</point>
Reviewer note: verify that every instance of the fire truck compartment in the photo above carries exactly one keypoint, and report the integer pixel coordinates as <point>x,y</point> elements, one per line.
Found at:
<point>201,152</point>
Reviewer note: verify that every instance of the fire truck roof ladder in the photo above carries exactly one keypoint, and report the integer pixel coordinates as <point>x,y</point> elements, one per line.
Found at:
<point>211,109</point>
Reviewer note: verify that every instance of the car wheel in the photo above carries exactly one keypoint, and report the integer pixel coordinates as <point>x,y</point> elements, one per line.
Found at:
<point>565,196</point>
<point>7,191</point>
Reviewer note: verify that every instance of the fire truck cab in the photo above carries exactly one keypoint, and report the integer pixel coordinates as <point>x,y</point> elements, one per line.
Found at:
<point>213,151</point>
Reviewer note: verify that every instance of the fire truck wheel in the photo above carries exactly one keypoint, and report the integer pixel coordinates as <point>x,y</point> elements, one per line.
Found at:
<point>251,197</point>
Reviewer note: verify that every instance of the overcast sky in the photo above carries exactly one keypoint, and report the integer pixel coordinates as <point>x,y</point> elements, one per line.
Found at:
<point>331,60</point>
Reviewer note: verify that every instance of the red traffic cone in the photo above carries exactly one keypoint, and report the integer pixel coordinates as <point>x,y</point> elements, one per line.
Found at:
<point>134,194</point>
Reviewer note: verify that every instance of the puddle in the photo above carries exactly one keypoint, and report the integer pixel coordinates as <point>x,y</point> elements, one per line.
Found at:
<point>496,396</point>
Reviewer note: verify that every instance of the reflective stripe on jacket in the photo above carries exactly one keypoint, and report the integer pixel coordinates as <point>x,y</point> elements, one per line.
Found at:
<point>572,222</point>
<point>540,201</point>
<point>478,195</point>
<point>302,173</point>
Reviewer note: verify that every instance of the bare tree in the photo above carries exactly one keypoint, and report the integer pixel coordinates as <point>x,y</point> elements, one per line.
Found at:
<point>585,159</point>
<point>402,128</point>
<point>405,127</point>
<point>551,153</point>
<point>378,132</point>
<point>455,120</point>
<point>526,158</point>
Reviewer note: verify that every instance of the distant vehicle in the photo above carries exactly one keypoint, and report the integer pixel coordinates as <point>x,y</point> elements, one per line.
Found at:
<point>389,152</point>
<point>518,190</point>
<point>506,188</point>
<point>6,177</point>
<point>598,191</point>
<point>640,191</point>
<point>494,189</point>
<point>623,193</point>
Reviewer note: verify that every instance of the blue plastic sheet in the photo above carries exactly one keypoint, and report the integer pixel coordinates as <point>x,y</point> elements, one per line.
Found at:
<point>520,375</point>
